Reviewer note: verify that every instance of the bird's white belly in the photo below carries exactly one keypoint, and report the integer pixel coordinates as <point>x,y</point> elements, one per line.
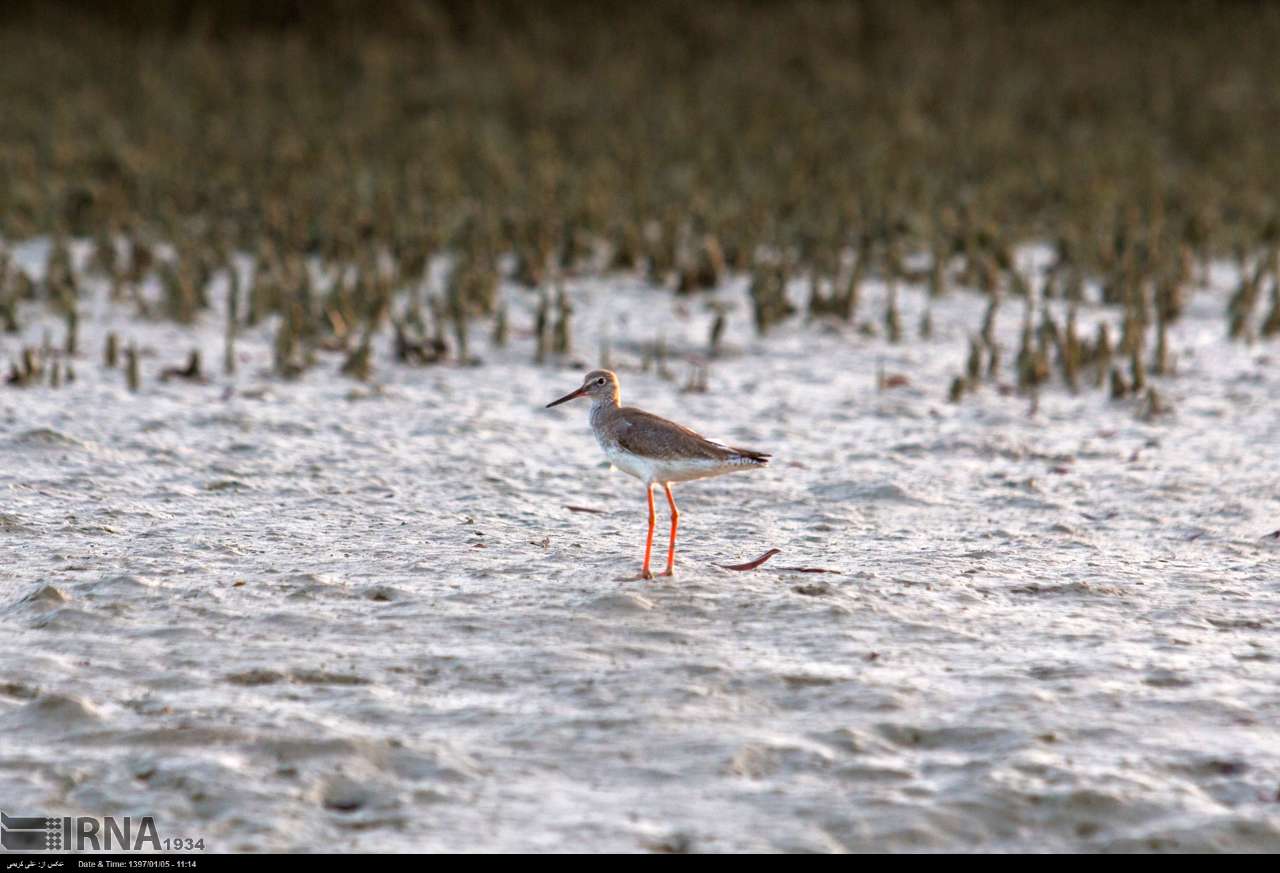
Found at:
<point>652,470</point>
<point>641,468</point>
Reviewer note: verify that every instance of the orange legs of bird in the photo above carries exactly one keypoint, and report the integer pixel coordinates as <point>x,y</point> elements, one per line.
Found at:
<point>645,572</point>
<point>648,543</point>
<point>675,522</point>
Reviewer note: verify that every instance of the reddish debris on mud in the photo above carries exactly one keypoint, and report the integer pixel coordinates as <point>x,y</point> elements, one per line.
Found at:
<point>751,565</point>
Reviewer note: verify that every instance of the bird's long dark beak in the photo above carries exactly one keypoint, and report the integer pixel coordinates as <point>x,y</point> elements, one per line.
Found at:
<point>578,392</point>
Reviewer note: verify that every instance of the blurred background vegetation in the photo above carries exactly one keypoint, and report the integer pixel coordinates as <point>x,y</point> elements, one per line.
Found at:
<point>682,140</point>
<point>329,122</point>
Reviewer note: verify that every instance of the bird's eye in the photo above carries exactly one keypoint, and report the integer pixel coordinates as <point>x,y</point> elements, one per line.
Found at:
<point>600,381</point>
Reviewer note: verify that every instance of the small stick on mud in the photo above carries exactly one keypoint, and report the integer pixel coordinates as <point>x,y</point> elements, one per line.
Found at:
<point>233,320</point>
<point>751,565</point>
<point>191,371</point>
<point>132,375</point>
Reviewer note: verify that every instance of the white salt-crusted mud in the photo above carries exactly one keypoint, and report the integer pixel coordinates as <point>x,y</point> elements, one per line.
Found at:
<point>332,616</point>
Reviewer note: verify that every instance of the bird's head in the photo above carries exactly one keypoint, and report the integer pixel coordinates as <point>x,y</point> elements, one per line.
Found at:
<point>599,385</point>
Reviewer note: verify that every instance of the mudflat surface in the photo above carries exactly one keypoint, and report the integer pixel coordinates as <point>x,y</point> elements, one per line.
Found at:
<point>328,615</point>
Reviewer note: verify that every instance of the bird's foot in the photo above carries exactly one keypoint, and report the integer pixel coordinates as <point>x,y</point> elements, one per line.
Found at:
<point>642,576</point>
<point>670,571</point>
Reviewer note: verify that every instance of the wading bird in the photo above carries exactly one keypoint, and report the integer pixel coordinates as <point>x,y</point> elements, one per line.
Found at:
<point>654,450</point>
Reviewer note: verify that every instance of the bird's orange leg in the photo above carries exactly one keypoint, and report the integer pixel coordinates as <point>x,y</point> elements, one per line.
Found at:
<point>648,543</point>
<point>675,522</point>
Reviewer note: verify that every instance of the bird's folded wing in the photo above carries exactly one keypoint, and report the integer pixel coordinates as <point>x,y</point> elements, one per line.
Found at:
<point>643,433</point>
